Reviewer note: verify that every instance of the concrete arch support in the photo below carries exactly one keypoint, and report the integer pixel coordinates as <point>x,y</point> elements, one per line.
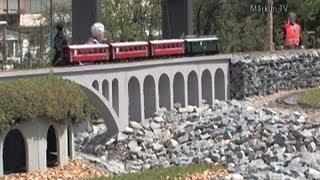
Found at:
<point>115,95</point>
<point>219,85</point>
<point>149,96</point>
<point>134,100</point>
<point>95,85</point>
<point>193,89</point>
<point>206,82</point>
<point>178,89</point>
<point>105,89</point>
<point>164,91</point>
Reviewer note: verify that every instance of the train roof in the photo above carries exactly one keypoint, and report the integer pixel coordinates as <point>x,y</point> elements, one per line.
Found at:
<point>129,43</point>
<point>202,39</point>
<point>166,41</point>
<point>86,46</point>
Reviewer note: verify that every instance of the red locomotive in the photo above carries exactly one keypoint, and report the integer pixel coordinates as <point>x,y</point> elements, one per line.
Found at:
<point>90,53</point>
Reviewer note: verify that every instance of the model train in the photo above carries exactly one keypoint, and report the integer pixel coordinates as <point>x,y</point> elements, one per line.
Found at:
<point>92,53</point>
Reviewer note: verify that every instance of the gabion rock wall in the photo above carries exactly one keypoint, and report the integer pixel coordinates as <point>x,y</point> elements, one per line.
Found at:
<point>266,73</point>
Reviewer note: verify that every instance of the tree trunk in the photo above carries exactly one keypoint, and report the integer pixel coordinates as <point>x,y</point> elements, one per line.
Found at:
<point>270,25</point>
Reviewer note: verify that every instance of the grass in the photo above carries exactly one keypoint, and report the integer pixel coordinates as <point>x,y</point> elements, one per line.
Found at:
<point>311,98</point>
<point>171,173</point>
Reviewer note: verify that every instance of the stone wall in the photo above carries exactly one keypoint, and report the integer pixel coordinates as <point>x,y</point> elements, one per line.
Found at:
<point>266,73</point>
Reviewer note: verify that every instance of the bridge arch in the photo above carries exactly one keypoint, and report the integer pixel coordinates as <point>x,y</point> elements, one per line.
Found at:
<point>14,153</point>
<point>149,96</point>
<point>115,95</point>
<point>193,89</point>
<point>105,89</point>
<point>219,84</point>
<point>164,91</point>
<point>178,89</point>
<point>95,85</point>
<point>206,82</point>
<point>134,100</point>
<point>104,109</point>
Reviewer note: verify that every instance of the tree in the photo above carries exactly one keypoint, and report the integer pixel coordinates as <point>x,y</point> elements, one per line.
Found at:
<point>132,20</point>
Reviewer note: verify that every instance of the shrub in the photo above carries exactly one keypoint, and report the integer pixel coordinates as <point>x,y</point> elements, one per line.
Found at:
<point>46,97</point>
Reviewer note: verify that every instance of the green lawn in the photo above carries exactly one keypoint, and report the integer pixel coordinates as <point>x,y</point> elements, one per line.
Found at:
<point>311,98</point>
<point>164,173</point>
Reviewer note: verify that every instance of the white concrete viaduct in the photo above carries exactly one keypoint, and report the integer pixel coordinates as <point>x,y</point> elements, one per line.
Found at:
<point>124,92</point>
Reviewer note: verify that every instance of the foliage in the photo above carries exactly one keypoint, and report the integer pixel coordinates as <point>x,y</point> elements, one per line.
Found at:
<point>311,98</point>
<point>240,29</point>
<point>132,20</point>
<point>47,97</point>
<point>176,172</point>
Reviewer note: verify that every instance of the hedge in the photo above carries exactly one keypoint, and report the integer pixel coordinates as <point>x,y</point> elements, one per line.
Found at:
<point>48,97</point>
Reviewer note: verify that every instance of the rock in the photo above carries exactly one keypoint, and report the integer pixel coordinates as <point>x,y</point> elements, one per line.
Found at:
<point>207,160</point>
<point>166,135</point>
<point>178,132</point>
<point>173,143</point>
<point>312,147</point>
<point>280,139</point>
<point>145,125</point>
<point>312,174</point>
<point>135,125</point>
<point>128,130</point>
<point>237,177</point>
<point>84,126</point>
<point>99,149</point>
<point>269,111</point>
<point>133,145</point>
<point>110,141</point>
<point>158,119</point>
<point>307,133</point>
<point>121,137</point>
<point>154,126</point>
<point>157,147</point>
<point>258,164</point>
